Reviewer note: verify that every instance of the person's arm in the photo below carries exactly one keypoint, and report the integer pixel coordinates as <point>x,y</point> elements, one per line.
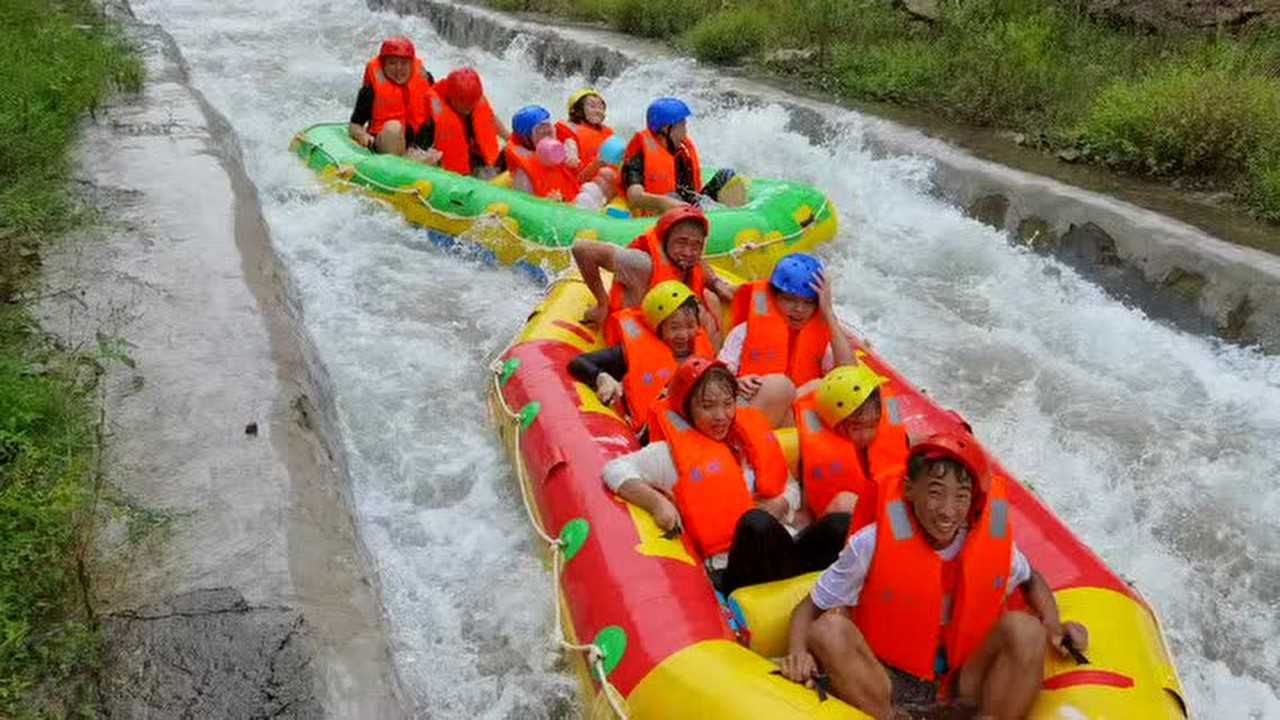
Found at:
<point>602,370</point>
<point>1040,598</point>
<point>723,289</point>
<point>841,349</point>
<point>646,497</point>
<point>360,117</point>
<point>838,586</point>
<point>644,478</point>
<point>592,256</point>
<point>520,181</point>
<point>799,665</point>
<point>637,197</point>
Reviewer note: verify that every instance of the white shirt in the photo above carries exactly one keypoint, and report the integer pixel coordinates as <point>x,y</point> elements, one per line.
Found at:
<point>653,464</point>
<point>841,584</point>
<point>731,351</point>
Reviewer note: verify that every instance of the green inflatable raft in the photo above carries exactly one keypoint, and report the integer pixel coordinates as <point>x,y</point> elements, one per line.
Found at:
<point>519,229</point>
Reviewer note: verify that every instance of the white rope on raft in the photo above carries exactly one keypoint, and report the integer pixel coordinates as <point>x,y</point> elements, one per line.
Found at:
<point>734,253</point>
<point>595,655</point>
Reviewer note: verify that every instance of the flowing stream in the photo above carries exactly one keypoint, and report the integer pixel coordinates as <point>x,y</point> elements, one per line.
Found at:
<point>1158,447</point>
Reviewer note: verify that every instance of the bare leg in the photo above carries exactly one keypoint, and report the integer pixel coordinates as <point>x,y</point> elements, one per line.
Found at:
<point>857,677</point>
<point>1004,676</point>
<point>390,140</point>
<point>774,399</point>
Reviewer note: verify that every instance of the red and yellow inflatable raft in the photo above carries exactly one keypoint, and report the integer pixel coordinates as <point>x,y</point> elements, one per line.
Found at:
<point>667,650</point>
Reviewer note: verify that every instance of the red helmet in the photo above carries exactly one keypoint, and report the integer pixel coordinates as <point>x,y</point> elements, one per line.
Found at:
<point>960,447</point>
<point>684,213</point>
<point>397,47</point>
<point>687,377</point>
<point>463,89</point>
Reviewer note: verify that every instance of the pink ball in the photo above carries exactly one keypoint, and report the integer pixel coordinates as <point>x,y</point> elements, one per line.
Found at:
<point>550,152</point>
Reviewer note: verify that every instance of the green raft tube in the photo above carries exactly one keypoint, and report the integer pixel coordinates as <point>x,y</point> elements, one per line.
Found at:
<point>516,228</point>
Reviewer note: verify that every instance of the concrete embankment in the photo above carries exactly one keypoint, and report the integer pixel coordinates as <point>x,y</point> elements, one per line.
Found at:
<point>248,596</point>
<point>1172,270</point>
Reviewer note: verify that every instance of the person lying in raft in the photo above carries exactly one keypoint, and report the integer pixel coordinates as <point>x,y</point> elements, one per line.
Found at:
<point>463,134</point>
<point>536,160</point>
<point>663,332</point>
<point>925,588</point>
<point>784,327</point>
<point>715,471</point>
<point>394,101</point>
<point>672,250</point>
<point>851,440</point>
<point>661,169</point>
<point>584,132</point>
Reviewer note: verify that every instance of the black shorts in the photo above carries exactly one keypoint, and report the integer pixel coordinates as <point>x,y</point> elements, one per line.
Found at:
<point>911,693</point>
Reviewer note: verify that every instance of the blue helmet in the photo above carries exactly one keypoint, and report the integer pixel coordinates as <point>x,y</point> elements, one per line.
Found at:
<point>665,112</point>
<point>795,273</point>
<point>527,118</point>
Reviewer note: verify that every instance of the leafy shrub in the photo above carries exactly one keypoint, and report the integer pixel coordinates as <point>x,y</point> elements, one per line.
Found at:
<point>729,35</point>
<point>658,18</point>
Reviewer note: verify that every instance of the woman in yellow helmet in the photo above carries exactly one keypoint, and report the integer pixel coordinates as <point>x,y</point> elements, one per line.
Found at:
<point>585,131</point>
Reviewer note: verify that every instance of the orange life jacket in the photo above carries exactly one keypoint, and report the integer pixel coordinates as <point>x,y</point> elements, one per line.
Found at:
<point>545,179</point>
<point>660,163</point>
<point>711,493</point>
<point>770,345</point>
<point>663,269</point>
<point>914,603</point>
<point>650,362</point>
<point>452,136</point>
<point>588,138</point>
<point>831,464</point>
<point>407,103</point>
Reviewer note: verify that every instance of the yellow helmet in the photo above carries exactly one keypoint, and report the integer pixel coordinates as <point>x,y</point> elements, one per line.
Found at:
<point>662,300</point>
<point>843,391</point>
<point>578,95</point>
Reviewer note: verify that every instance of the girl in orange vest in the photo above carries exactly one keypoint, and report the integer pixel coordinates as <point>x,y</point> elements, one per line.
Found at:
<point>393,103</point>
<point>654,340</point>
<point>661,168</point>
<point>851,438</point>
<point>715,472</point>
<point>926,587</point>
<point>585,132</point>
<point>536,159</point>
<point>787,326</point>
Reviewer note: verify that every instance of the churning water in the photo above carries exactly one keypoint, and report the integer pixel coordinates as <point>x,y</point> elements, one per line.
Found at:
<point>1159,448</point>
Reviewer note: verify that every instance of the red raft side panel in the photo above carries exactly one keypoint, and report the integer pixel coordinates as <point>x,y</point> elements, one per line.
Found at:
<point>1055,552</point>
<point>663,603</point>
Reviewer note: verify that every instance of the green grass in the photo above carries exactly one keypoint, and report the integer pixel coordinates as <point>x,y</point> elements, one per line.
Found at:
<point>1189,106</point>
<point>58,60</point>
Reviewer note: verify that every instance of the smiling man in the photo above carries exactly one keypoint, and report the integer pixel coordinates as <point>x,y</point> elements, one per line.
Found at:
<point>394,101</point>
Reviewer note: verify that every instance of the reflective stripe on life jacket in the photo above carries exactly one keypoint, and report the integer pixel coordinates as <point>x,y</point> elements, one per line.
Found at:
<point>663,269</point>
<point>452,136</point>
<point>831,464</point>
<point>771,346</point>
<point>660,177</point>
<point>588,137</point>
<point>912,604</point>
<point>650,362</point>
<point>711,493</point>
<point>545,179</point>
<point>406,104</point>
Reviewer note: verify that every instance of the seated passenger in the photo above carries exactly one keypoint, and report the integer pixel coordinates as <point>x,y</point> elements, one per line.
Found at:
<point>585,132</point>
<point>779,329</point>
<point>655,339</point>
<point>661,169</point>
<point>463,134</point>
<point>536,159</point>
<point>394,100</point>
<point>914,629</point>
<point>716,471</point>
<point>672,250</point>
<point>852,440</point>
<point>599,190</point>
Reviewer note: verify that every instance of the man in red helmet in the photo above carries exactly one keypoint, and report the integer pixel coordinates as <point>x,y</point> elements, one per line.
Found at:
<point>394,102</point>
<point>462,133</point>
<point>672,250</point>
<point>924,590</point>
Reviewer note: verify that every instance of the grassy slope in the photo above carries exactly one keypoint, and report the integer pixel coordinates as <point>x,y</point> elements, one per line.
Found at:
<point>57,59</point>
<point>1202,110</point>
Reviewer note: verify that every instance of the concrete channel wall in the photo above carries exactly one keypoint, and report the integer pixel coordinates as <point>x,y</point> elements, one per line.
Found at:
<point>1172,270</point>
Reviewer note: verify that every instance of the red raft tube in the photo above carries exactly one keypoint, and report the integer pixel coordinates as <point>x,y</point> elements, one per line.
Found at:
<point>650,638</point>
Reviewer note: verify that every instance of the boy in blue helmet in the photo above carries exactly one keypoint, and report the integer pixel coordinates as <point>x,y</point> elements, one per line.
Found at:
<point>786,326</point>
<point>661,169</point>
<point>530,124</point>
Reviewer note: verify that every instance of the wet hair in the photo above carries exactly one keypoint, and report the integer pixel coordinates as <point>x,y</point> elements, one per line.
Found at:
<point>714,377</point>
<point>578,113</point>
<point>920,467</point>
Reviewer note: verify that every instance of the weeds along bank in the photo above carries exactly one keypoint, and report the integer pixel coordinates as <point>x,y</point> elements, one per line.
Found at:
<point>1201,110</point>
<point>58,60</point>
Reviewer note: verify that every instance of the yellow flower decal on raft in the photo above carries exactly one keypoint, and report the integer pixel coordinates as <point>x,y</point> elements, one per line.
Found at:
<point>587,234</point>
<point>423,188</point>
<point>588,401</point>
<point>749,236</point>
<point>652,543</point>
<point>803,215</point>
<point>500,209</point>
